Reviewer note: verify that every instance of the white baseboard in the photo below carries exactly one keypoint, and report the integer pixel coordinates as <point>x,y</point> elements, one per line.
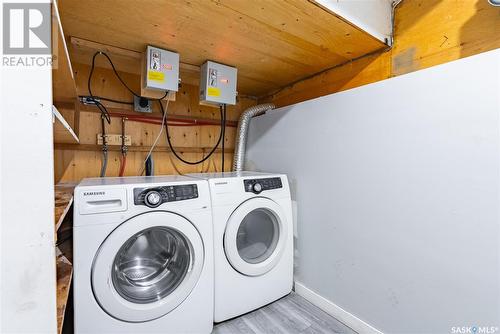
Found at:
<point>335,311</point>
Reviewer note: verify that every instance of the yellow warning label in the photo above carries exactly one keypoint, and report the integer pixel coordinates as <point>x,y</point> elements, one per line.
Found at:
<point>156,76</point>
<point>213,91</point>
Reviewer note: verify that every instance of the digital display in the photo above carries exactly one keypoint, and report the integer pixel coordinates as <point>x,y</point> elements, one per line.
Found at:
<point>265,184</point>
<point>167,193</point>
<point>183,191</point>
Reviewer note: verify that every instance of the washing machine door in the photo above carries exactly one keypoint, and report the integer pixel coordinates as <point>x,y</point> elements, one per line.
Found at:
<point>147,266</point>
<point>255,236</point>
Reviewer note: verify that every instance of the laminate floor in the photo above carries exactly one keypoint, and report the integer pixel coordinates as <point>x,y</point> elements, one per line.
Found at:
<point>290,315</point>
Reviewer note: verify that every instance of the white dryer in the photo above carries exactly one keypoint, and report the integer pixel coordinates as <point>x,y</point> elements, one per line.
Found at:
<point>143,256</point>
<point>253,240</point>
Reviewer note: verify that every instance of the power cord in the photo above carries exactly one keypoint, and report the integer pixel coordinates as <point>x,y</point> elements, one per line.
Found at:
<point>172,147</point>
<point>163,122</point>
<point>98,104</point>
<point>96,99</point>
<point>149,170</point>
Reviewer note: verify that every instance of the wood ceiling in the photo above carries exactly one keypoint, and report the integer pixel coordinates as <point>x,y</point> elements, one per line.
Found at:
<point>273,43</point>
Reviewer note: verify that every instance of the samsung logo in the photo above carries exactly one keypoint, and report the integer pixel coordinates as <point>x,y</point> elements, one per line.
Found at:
<point>220,183</point>
<point>93,193</point>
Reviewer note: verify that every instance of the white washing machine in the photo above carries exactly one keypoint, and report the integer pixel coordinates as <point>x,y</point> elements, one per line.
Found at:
<point>253,240</point>
<point>143,255</point>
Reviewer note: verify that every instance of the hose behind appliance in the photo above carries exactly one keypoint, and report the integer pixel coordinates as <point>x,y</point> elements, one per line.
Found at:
<point>124,149</point>
<point>104,165</point>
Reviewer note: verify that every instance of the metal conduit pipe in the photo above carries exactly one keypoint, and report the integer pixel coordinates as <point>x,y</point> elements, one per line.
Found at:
<point>241,134</point>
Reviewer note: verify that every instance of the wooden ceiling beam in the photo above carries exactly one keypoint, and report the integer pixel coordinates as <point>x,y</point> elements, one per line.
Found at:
<point>84,46</point>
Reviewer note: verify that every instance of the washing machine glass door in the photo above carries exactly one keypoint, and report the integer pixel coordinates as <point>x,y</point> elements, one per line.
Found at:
<point>255,236</point>
<point>147,266</point>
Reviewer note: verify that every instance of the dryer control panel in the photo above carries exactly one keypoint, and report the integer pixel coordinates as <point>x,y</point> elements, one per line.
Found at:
<point>257,186</point>
<point>153,197</point>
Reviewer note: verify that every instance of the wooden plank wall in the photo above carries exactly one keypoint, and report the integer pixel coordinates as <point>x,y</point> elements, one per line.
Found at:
<point>74,162</point>
<point>427,33</point>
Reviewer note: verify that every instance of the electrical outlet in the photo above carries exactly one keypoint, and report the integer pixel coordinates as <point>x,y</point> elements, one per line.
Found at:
<point>114,139</point>
<point>142,104</point>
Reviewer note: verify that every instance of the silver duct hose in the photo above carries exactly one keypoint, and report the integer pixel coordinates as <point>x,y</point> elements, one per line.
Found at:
<point>241,134</point>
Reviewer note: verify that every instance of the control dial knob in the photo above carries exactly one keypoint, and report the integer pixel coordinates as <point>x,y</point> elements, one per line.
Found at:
<point>152,199</point>
<point>257,187</point>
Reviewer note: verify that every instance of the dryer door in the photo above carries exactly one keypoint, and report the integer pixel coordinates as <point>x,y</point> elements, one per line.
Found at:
<point>255,236</point>
<point>147,266</point>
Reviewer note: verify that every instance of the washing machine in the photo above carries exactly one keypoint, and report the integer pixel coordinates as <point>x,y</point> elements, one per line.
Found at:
<point>253,240</point>
<point>143,256</point>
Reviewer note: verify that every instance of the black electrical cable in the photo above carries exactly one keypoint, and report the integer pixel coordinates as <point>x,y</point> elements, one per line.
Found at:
<point>172,147</point>
<point>120,78</point>
<point>149,168</point>
<point>102,108</point>
<point>114,70</point>
<point>104,111</point>
<point>94,98</point>
<point>223,135</point>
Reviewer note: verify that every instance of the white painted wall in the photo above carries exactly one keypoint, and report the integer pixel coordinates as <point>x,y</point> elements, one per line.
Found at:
<point>27,254</point>
<point>397,188</point>
<point>372,16</point>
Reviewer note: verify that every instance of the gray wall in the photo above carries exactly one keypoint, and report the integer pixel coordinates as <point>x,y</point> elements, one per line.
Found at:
<point>397,190</point>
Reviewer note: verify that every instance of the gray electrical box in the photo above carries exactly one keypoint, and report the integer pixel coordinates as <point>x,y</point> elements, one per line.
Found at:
<point>217,84</point>
<point>162,69</point>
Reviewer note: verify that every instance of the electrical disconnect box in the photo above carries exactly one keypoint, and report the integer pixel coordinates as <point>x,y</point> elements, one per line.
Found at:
<point>162,69</point>
<point>217,84</point>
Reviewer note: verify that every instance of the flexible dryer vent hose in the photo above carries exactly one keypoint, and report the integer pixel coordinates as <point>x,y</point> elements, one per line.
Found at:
<point>241,134</point>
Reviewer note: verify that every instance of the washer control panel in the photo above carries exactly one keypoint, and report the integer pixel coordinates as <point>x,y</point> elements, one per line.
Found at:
<point>153,197</point>
<point>257,186</point>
